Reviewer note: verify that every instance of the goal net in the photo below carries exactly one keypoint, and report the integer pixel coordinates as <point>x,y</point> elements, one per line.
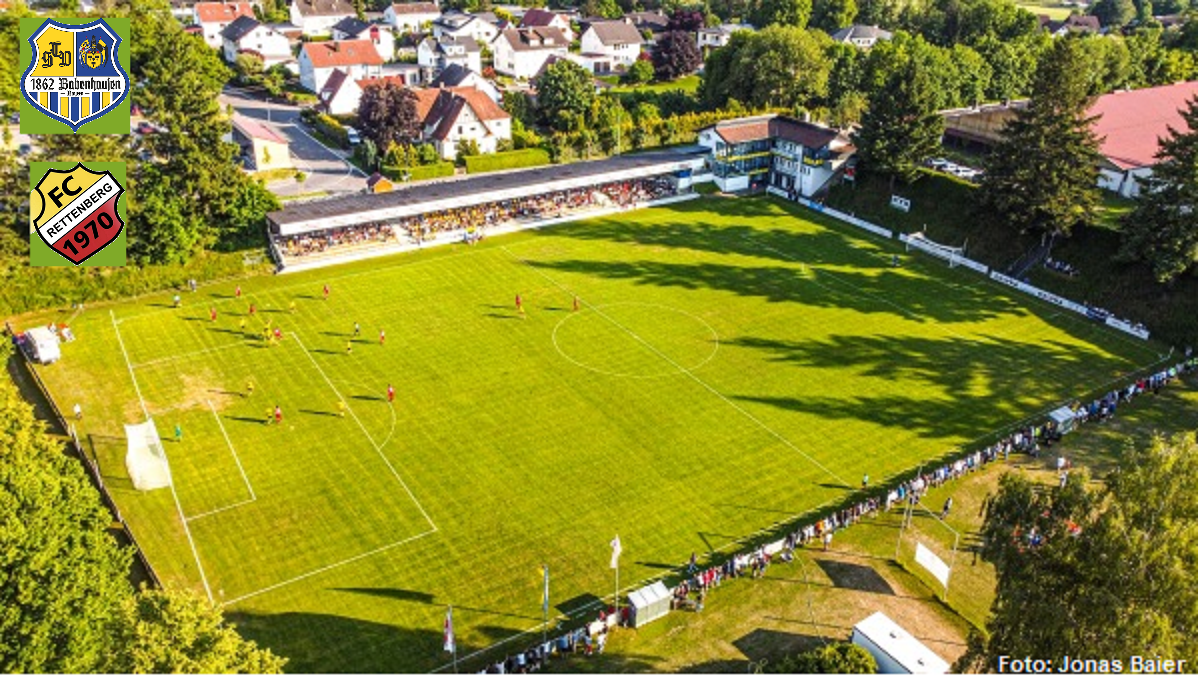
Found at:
<point>146,459</point>
<point>927,546</point>
<point>952,254</point>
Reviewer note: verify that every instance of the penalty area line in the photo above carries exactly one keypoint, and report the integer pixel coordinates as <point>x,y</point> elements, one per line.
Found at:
<point>232,450</point>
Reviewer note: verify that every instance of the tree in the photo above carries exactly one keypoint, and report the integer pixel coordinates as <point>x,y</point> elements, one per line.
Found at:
<point>607,9</point>
<point>388,114</point>
<point>249,68</point>
<point>832,15</point>
<point>640,72</point>
<point>779,66</point>
<point>1095,572</point>
<point>1163,228</point>
<point>764,13</point>
<point>902,127</point>
<point>1113,13</point>
<point>565,93</point>
<point>1043,174</point>
<point>686,20</point>
<point>676,55</point>
<point>833,658</point>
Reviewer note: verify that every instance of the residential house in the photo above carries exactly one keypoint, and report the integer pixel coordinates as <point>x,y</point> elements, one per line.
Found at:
<point>536,17</point>
<point>522,52</point>
<point>654,22</point>
<point>862,37</point>
<point>455,75</point>
<point>799,158</point>
<point>1074,23</point>
<point>317,61</point>
<point>459,25</point>
<point>381,36</point>
<point>461,114</point>
<point>619,40</point>
<point>262,146</point>
<point>247,36</point>
<point>717,36</point>
<point>411,17</point>
<point>436,54</point>
<point>341,94</point>
<point>597,64</point>
<point>317,17</point>
<point>378,183</point>
<point>214,17</point>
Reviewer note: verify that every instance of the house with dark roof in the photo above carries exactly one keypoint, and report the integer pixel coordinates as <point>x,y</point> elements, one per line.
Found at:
<point>797,157</point>
<point>342,94</point>
<point>718,36</point>
<point>456,75</point>
<point>522,52</point>
<point>247,35</point>
<point>434,55</point>
<point>461,25</point>
<point>861,37</point>
<point>451,116</point>
<point>1074,23</point>
<point>214,17</point>
<point>317,61</point>
<point>655,21</point>
<point>411,17</point>
<point>317,17</point>
<point>619,40</point>
<point>536,17</point>
<point>379,35</point>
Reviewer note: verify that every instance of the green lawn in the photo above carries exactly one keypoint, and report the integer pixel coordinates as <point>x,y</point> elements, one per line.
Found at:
<point>1054,11</point>
<point>734,363</point>
<point>688,84</point>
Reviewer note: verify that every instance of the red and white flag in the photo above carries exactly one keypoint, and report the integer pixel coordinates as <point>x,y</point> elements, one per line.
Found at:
<point>615,552</point>
<point>450,647</point>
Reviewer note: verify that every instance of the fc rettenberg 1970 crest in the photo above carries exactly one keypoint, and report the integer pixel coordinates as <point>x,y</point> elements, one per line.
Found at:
<point>75,212</point>
<point>75,76</point>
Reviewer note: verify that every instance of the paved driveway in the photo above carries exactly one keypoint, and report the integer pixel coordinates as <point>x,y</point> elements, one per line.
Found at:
<point>326,169</point>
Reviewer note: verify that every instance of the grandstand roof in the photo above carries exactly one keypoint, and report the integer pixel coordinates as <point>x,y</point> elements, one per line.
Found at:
<point>471,190</point>
<point>1131,124</point>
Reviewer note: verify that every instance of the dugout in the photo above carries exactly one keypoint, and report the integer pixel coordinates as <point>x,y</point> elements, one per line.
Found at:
<point>649,603</point>
<point>896,651</point>
<point>1064,419</point>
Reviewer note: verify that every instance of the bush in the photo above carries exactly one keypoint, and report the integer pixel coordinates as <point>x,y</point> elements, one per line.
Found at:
<point>834,658</point>
<point>332,129</point>
<point>513,159</point>
<point>420,173</point>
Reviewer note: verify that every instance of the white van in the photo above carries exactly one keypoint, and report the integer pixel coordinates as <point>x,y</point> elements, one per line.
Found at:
<point>352,136</point>
<point>42,345</point>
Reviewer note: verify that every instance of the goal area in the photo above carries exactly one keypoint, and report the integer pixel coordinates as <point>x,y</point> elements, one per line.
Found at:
<point>952,254</point>
<point>145,458</point>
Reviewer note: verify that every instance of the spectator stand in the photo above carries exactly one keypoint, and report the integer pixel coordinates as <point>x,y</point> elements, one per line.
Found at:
<point>355,227</point>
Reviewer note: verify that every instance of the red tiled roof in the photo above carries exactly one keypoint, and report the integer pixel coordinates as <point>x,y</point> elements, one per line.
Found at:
<point>255,129</point>
<point>536,17</point>
<point>222,12</point>
<point>397,80</point>
<point>745,131</point>
<point>483,106</point>
<point>415,8</point>
<point>755,129</point>
<point>1134,122</point>
<point>342,53</point>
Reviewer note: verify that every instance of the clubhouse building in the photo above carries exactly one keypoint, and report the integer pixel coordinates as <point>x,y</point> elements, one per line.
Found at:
<point>777,151</point>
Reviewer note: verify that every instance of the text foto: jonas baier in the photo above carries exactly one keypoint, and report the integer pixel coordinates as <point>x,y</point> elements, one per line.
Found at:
<point>1136,664</point>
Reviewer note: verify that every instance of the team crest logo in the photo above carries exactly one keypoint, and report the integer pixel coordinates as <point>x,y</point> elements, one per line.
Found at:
<point>75,76</point>
<point>75,211</point>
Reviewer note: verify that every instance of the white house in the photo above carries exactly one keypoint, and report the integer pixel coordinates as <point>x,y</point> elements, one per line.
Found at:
<point>214,17</point>
<point>462,113</point>
<point>617,39</point>
<point>522,52</point>
<point>717,36</point>
<point>455,76</point>
<point>459,25</point>
<point>317,17</point>
<point>436,54</point>
<point>862,37</point>
<point>543,18</point>
<point>381,36</point>
<point>247,36</point>
<point>796,157</point>
<point>342,94</point>
<point>317,60</point>
<point>411,17</point>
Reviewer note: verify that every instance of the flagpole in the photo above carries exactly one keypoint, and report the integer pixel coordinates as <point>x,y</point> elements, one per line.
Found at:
<point>545,608</point>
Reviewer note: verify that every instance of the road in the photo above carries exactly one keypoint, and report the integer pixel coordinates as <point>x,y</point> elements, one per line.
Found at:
<point>326,169</point>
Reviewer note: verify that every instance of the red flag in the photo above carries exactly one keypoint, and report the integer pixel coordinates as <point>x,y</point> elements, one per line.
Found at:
<point>450,647</point>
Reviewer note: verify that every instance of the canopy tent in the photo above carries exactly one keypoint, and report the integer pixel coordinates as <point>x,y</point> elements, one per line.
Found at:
<point>649,603</point>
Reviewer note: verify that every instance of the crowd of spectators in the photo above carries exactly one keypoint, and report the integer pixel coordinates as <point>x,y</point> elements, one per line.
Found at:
<point>472,223</point>
<point>691,592</point>
<point>1061,267</point>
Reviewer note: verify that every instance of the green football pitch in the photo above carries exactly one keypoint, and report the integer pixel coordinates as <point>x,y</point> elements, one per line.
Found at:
<point>733,363</point>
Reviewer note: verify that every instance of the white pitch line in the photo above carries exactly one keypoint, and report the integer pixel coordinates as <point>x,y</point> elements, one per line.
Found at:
<point>377,448</point>
<point>218,510</point>
<point>233,451</point>
<point>185,355</point>
<point>327,568</point>
<point>683,370</point>
<point>174,494</point>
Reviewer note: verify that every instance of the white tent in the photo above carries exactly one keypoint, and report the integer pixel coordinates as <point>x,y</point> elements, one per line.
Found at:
<point>146,459</point>
<point>1064,419</point>
<point>649,603</point>
<point>896,651</point>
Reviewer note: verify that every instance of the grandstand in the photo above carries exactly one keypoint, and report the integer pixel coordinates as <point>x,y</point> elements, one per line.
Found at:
<point>315,234</point>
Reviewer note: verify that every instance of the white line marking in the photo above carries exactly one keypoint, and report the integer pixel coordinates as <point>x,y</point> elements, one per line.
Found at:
<point>715,336</point>
<point>692,376</point>
<point>174,494</point>
<point>185,355</point>
<point>327,568</point>
<point>218,510</point>
<point>233,451</point>
<point>377,448</point>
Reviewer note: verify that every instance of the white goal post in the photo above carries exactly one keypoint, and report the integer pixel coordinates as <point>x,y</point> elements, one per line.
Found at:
<point>952,254</point>
<point>145,458</point>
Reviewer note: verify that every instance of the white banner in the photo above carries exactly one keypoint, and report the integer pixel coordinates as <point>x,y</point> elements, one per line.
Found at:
<point>1127,327</point>
<point>1039,293</point>
<point>928,559</point>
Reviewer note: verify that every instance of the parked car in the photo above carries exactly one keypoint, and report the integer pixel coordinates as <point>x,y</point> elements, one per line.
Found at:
<point>938,163</point>
<point>145,128</point>
<point>352,136</point>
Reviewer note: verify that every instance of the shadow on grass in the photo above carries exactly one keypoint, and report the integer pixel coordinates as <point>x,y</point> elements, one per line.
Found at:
<point>328,414</point>
<point>855,576</point>
<point>397,594</point>
<point>769,645</point>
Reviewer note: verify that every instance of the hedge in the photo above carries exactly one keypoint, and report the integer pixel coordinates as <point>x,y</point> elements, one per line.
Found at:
<point>419,173</point>
<point>512,159</point>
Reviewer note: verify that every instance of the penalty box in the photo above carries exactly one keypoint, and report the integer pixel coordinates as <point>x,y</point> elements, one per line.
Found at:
<point>267,504</point>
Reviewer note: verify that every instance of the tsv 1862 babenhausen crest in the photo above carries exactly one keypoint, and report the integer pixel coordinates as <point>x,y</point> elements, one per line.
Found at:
<point>74,212</point>
<point>75,76</point>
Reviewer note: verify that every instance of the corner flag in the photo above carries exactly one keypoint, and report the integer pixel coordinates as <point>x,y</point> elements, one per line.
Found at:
<point>615,552</point>
<point>450,647</point>
<point>545,599</point>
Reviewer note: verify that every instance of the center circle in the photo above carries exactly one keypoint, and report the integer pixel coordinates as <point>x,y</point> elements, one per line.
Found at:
<point>635,340</point>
